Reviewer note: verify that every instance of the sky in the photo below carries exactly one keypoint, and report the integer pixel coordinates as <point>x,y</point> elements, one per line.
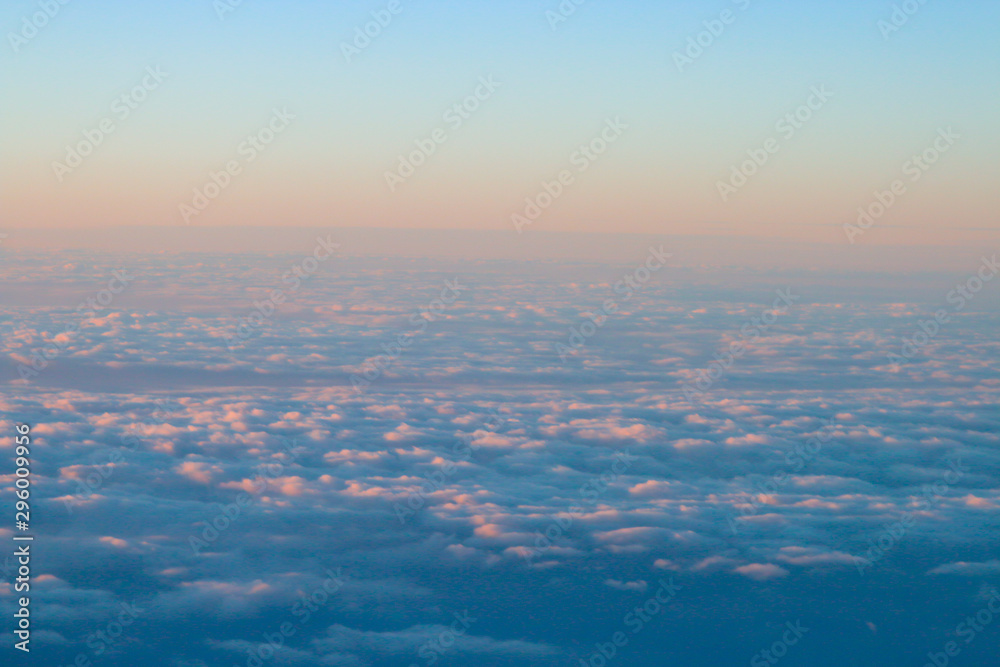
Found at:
<point>516,333</point>
<point>556,82</point>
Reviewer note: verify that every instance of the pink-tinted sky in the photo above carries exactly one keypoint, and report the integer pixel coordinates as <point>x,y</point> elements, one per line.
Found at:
<point>198,84</point>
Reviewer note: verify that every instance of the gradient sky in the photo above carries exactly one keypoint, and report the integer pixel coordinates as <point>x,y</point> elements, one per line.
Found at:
<point>311,315</point>
<point>686,129</point>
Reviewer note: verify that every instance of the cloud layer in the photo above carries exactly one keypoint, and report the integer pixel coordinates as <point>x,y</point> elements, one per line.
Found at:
<point>479,476</point>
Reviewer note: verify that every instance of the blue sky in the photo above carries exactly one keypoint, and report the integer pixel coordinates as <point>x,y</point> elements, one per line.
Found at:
<point>687,128</point>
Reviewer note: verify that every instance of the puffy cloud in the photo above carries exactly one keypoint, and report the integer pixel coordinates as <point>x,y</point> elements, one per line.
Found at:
<point>784,472</point>
<point>639,586</point>
<point>987,568</point>
<point>761,571</point>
